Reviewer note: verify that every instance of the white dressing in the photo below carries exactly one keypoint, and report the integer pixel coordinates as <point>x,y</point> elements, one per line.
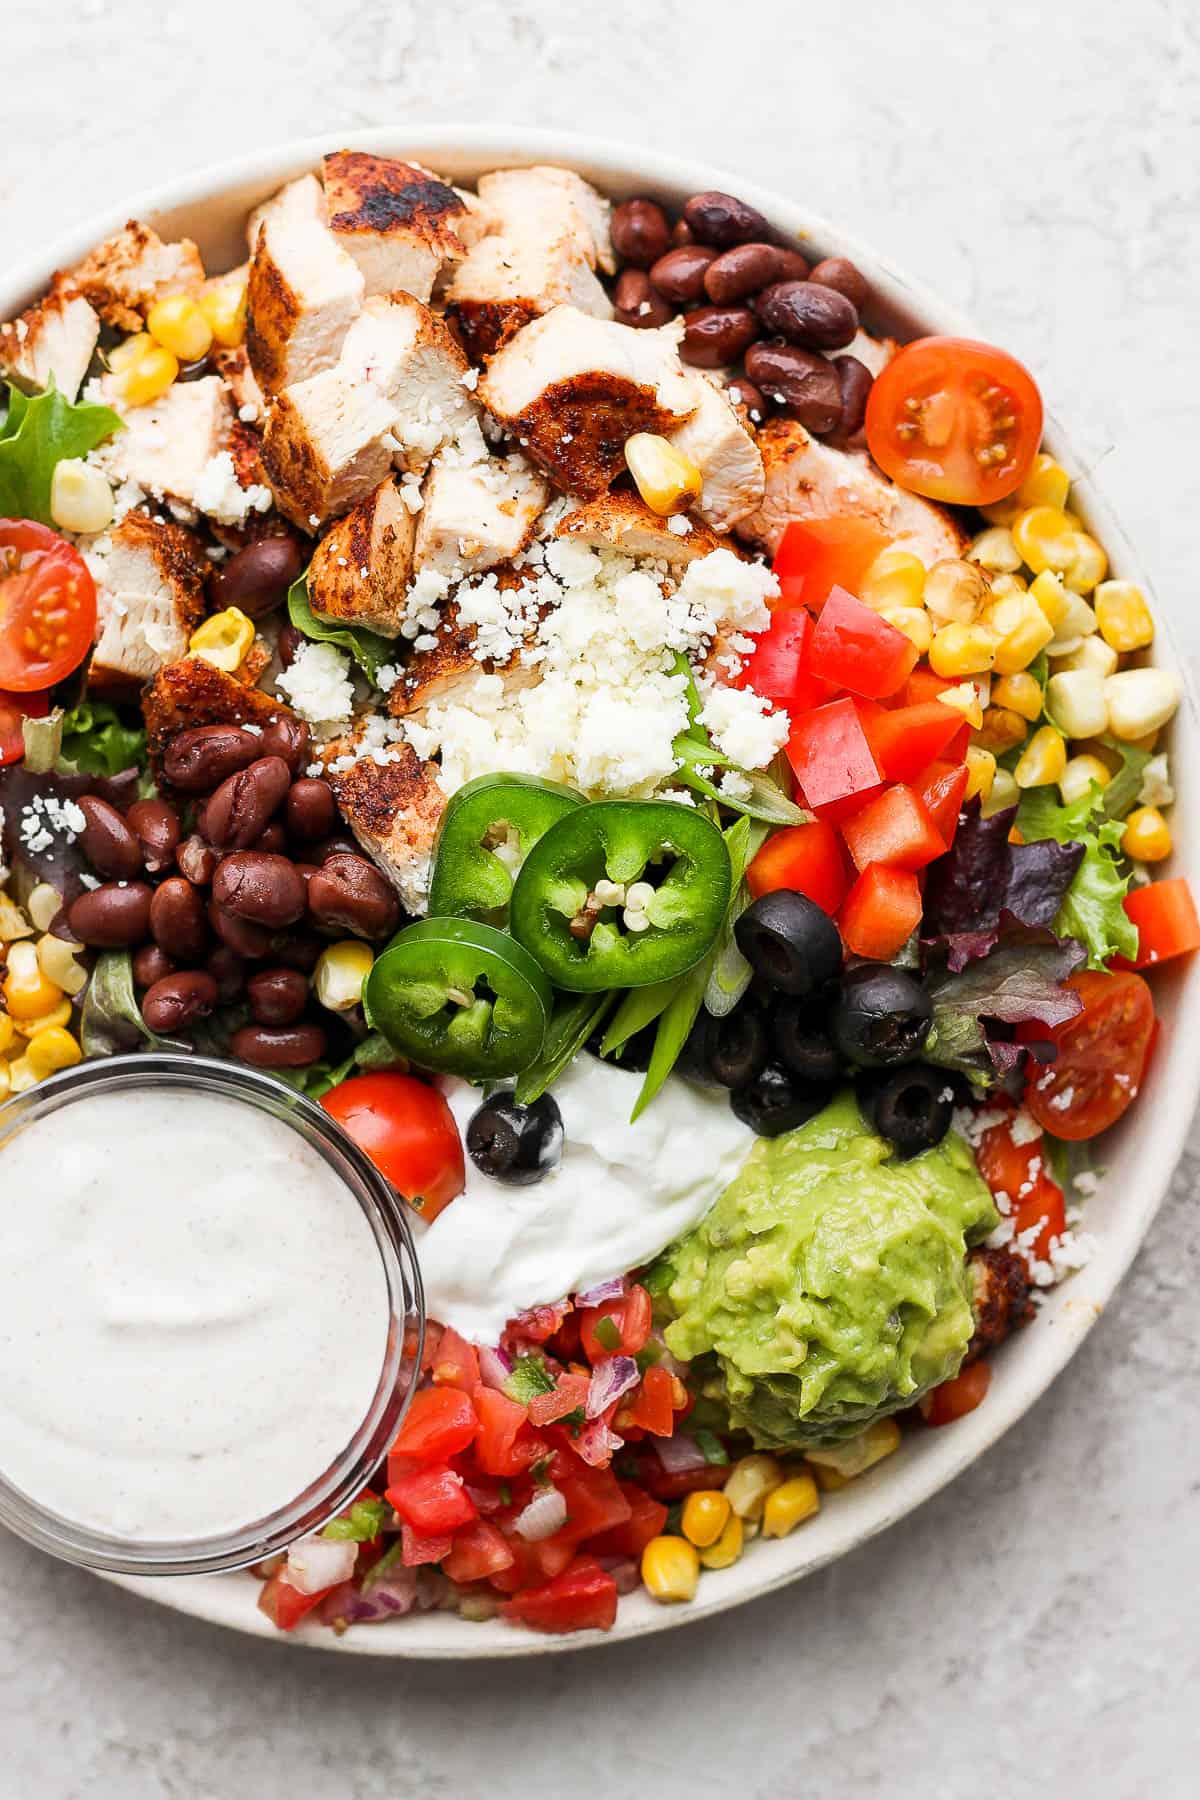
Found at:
<point>193,1314</point>
<point>619,1195</point>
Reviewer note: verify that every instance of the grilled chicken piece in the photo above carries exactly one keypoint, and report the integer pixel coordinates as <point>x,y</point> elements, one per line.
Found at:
<point>447,672</point>
<point>401,224</point>
<point>233,366</point>
<point>477,515</point>
<point>193,692</point>
<point>303,198</point>
<point>548,232</point>
<point>125,275</point>
<point>1000,1300</point>
<point>726,454</point>
<point>809,480</point>
<point>572,388</point>
<point>622,521</point>
<point>304,291</point>
<point>167,444</point>
<point>396,390</point>
<point>392,805</point>
<point>149,576</point>
<point>53,340</point>
<point>361,568</point>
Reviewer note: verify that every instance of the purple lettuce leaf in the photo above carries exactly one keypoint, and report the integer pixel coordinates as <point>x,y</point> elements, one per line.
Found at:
<point>1019,981</point>
<point>983,877</point>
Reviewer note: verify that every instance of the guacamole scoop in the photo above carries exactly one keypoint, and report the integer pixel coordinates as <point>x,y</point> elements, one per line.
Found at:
<point>828,1285</point>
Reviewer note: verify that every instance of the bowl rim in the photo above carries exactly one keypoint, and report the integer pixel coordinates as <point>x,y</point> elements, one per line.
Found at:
<point>1028,1363</point>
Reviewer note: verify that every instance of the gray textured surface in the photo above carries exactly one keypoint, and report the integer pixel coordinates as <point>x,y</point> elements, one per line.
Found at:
<point>1032,1631</point>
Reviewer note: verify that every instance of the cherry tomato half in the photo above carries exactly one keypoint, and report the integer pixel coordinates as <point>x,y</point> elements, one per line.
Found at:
<point>1101,1057</point>
<point>14,708</point>
<point>408,1131</point>
<point>955,420</point>
<point>47,606</point>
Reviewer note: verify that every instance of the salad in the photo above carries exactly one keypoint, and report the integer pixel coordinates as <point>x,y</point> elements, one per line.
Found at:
<point>663,762</point>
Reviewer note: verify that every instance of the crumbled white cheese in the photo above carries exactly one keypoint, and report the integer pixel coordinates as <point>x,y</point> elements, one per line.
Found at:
<point>45,818</point>
<point>1024,1128</point>
<point>318,684</point>
<point>744,726</point>
<point>221,496</point>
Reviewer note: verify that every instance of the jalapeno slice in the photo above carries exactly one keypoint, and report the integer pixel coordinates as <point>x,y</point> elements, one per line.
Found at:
<point>459,996</point>
<point>622,893</point>
<point>488,830</point>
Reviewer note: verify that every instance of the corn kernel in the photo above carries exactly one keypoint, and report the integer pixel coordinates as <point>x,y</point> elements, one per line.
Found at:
<point>1023,631</point>
<point>1001,730</point>
<point>51,1051</point>
<point>962,650</point>
<point>857,1454</point>
<point>80,496</point>
<point>956,592</point>
<point>725,1551</point>
<point>895,578</point>
<point>1123,616</point>
<point>671,1569</point>
<point>223,639</point>
<point>144,372</point>
<point>180,326</point>
<point>43,905</point>
<point>5,1081</point>
<point>1147,836</point>
<point>13,923</point>
<point>59,963</point>
<point>1070,615</point>
<point>1080,774</point>
<point>667,480</point>
<point>224,306</point>
<point>54,1020</point>
<point>1045,539</point>
<point>1004,585</point>
<point>1156,789</point>
<point>1141,701</point>
<point>751,1479</point>
<point>1075,701</point>
<point>705,1516</point>
<point>830,1481</point>
<point>796,1500</point>
<point>1019,693</point>
<point>1043,760</point>
<point>1005,792</point>
<point>340,973</point>
<point>964,699</point>
<point>981,773</point>
<point>1092,653</point>
<point>27,993</point>
<point>914,622</point>
<point>1089,564</point>
<point>21,1076</point>
<point>1047,483</point>
<point>8,1032</point>
<point>995,551</point>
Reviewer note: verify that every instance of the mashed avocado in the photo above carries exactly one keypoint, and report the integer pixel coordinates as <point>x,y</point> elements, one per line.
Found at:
<point>828,1284</point>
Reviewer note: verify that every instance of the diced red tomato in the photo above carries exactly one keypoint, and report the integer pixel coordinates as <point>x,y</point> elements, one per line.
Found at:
<point>881,912</point>
<point>570,1392</point>
<point>1167,922</point>
<point>806,858</point>
<point>505,1445</point>
<point>408,1131</point>
<point>923,685</point>
<point>1102,1052</point>
<point>433,1501</point>
<point>14,708</point>
<point>439,1422</point>
<point>831,755</point>
<point>895,829</point>
<point>775,666</point>
<point>594,1499</point>
<point>652,1409</point>
<point>631,1319</point>
<point>955,1398</point>
<point>941,787</point>
<point>956,420</point>
<point>285,1605</point>
<point>855,648</point>
<point>647,1517</point>
<point>456,1362</point>
<point>478,1551</point>
<point>582,1598</point>
<point>1029,1194</point>
<point>815,555</point>
<point>416,1549</point>
<point>47,607</point>
<point>906,739</point>
<point>668,1485</point>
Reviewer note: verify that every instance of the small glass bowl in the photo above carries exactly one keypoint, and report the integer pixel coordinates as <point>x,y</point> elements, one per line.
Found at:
<point>343,1480</point>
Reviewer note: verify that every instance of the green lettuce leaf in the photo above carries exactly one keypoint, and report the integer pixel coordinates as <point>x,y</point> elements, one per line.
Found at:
<point>97,741</point>
<point>370,649</point>
<point>1093,910</point>
<point>37,434</point>
<point>111,1023</point>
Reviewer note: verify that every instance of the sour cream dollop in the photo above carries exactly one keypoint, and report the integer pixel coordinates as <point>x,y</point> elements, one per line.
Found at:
<point>619,1195</point>
<point>193,1314</point>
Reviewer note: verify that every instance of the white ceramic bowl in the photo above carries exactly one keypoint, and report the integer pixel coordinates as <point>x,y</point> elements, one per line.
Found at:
<point>1139,1156</point>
